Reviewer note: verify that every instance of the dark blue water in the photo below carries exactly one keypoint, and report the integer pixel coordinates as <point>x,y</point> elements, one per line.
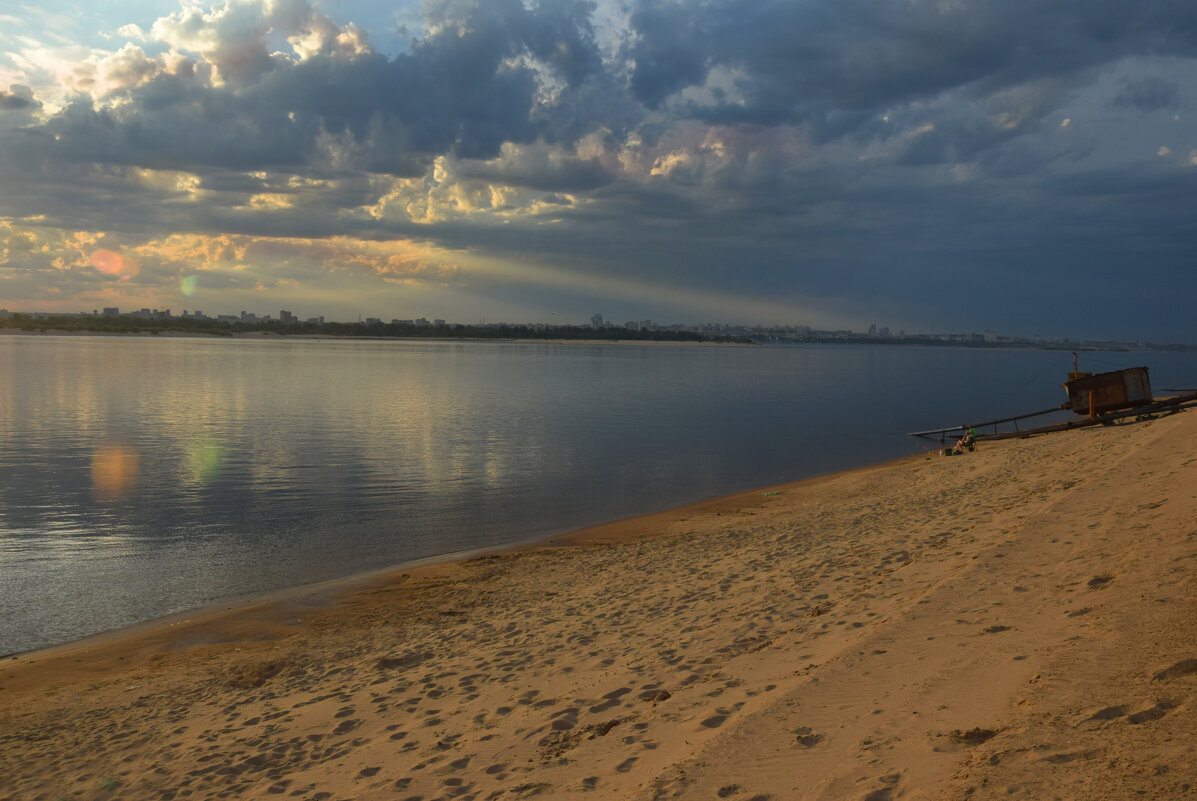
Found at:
<point>140,477</point>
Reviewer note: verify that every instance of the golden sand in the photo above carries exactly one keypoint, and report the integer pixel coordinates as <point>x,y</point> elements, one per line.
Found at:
<point>1019,622</point>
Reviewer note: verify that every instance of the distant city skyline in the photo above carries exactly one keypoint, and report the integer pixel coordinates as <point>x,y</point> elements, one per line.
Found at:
<point>597,321</point>
<point>940,166</point>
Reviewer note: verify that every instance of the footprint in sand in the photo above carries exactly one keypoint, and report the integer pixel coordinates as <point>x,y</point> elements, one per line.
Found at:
<point>1108,713</point>
<point>612,699</point>
<point>1063,759</point>
<point>1147,715</point>
<point>346,726</point>
<point>974,736</point>
<point>1182,668</point>
<point>565,719</point>
<point>806,737</point>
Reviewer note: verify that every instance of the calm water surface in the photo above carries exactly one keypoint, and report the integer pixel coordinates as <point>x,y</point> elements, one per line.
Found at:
<point>140,477</point>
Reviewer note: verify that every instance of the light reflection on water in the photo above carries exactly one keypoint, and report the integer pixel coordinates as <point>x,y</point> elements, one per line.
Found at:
<point>146,476</point>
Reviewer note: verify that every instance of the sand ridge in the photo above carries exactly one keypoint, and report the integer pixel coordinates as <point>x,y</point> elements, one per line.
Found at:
<point>1017,622</point>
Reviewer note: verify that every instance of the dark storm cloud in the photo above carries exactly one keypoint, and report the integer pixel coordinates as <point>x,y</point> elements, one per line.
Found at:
<point>1149,94</point>
<point>17,98</point>
<point>602,102</point>
<point>668,51</point>
<point>965,131</point>
<point>536,172</point>
<point>460,92</point>
<point>223,131</point>
<point>821,61</point>
<point>456,92</point>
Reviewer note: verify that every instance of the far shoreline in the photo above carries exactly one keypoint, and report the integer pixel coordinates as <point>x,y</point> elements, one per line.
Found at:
<point>274,336</point>
<point>623,342</point>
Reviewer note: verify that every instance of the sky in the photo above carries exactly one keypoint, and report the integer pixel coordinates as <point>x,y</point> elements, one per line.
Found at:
<point>1022,166</point>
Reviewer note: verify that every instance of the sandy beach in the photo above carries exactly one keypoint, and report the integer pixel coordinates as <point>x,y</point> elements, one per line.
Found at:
<point>1018,622</point>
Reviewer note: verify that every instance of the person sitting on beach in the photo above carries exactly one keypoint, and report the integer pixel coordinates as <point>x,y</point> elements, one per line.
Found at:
<point>967,441</point>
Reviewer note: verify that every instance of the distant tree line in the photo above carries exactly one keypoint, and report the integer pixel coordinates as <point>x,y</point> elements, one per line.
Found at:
<point>127,324</point>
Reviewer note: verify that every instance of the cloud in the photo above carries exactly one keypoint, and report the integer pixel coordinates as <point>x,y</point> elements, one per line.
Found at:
<point>839,150</point>
<point>824,62</point>
<point>667,53</point>
<point>487,75</point>
<point>1148,94</point>
<point>104,75</point>
<point>220,98</point>
<point>17,98</point>
<point>543,167</point>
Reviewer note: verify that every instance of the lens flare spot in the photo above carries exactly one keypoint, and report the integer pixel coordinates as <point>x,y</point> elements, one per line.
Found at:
<point>114,471</point>
<point>187,285</point>
<point>109,262</point>
<point>202,461</point>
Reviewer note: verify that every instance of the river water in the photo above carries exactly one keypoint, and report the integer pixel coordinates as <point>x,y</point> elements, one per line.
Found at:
<point>145,476</point>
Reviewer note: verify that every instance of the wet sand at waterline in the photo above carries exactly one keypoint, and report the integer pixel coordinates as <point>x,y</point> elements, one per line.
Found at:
<point>1018,622</point>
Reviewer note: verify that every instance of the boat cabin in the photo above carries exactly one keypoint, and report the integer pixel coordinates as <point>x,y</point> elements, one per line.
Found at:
<point>1094,394</point>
